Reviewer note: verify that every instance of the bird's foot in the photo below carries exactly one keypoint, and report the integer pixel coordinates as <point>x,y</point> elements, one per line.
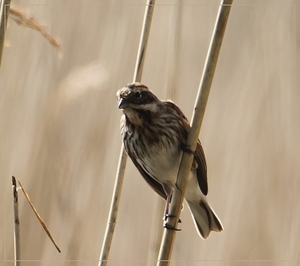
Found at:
<point>170,227</point>
<point>166,216</point>
<point>167,225</point>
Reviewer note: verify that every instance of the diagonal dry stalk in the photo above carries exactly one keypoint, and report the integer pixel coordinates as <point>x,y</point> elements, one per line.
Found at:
<point>39,217</point>
<point>123,156</point>
<point>197,118</point>
<point>23,19</point>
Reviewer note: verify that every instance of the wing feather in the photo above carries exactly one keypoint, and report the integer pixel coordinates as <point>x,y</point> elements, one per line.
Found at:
<point>199,153</point>
<point>156,186</point>
<point>201,169</point>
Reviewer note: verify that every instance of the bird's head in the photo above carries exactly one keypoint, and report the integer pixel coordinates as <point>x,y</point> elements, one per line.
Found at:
<point>137,97</point>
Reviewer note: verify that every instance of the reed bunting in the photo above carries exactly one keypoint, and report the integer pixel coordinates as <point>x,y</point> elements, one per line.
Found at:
<point>154,135</point>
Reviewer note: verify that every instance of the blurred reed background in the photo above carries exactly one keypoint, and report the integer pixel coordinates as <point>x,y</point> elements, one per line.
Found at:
<point>59,130</point>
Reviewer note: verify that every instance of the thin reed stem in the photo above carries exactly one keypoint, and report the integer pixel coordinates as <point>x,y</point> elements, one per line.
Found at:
<point>4,12</point>
<point>197,118</point>
<point>112,219</point>
<point>17,249</point>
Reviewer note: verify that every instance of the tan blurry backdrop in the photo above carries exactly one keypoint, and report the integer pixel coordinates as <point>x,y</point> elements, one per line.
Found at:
<point>59,130</point>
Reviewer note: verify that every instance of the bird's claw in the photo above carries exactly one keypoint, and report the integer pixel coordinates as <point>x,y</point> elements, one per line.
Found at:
<point>170,227</point>
<point>166,216</point>
<point>167,225</point>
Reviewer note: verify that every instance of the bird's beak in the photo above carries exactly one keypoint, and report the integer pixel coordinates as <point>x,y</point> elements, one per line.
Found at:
<point>122,103</point>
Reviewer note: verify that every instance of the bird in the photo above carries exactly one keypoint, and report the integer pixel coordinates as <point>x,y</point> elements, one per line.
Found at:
<point>154,134</point>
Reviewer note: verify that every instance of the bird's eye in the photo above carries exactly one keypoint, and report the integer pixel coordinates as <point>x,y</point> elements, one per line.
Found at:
<point>138,95</point>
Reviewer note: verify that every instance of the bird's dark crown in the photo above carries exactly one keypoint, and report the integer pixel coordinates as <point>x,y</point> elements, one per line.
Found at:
<point>136,96</point>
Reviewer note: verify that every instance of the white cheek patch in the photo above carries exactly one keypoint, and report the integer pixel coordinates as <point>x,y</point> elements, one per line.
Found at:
<point>152,107</point>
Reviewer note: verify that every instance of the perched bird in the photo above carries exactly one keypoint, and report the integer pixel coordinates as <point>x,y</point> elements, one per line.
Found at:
<point>154,135</point>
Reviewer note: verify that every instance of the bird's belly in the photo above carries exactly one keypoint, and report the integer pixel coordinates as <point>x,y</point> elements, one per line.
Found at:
<point>162,164</point>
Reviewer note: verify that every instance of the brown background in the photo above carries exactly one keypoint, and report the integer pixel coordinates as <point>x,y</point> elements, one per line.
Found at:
<point>59,130</point>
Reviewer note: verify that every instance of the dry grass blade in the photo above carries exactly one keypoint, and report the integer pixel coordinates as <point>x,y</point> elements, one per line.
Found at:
<point>22,18</point>
<point>16,223</point>
<point>39,217</point>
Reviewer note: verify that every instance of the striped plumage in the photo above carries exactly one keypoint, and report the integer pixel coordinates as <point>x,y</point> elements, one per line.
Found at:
<point>154,135</point>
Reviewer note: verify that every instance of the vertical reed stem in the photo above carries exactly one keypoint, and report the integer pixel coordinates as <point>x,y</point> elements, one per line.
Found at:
<point>197,118</point>
<point>112,219</point>
<point>4,12</point>
<point>16,222</point>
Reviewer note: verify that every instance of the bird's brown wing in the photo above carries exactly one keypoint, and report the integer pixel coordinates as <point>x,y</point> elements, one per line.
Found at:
<point>201,169</point>
<point>199,153</point>
<point>156,186</point>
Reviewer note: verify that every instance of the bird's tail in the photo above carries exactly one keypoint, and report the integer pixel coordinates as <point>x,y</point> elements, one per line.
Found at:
<point>204,218</point>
